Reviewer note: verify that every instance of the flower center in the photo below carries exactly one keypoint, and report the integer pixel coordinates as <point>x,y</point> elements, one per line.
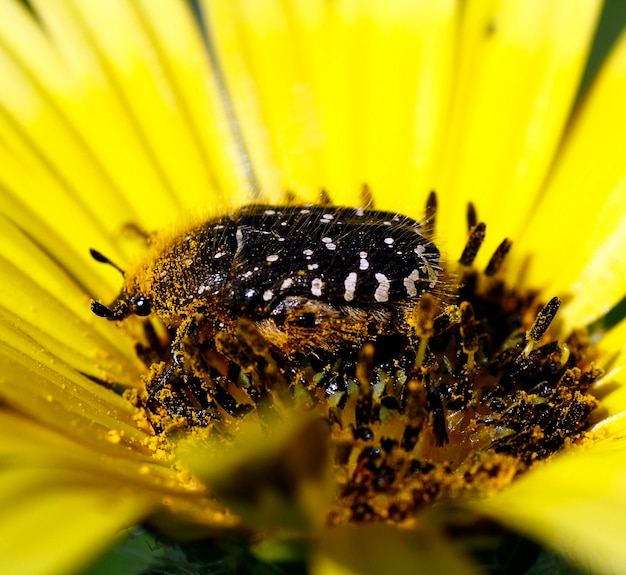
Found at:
<point>478,390</point>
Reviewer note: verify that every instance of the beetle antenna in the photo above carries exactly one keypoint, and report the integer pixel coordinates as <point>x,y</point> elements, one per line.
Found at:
<point>96,255</point>
<point>101,310</point>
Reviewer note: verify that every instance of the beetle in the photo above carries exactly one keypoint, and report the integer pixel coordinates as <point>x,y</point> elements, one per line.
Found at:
<point>309,277</point>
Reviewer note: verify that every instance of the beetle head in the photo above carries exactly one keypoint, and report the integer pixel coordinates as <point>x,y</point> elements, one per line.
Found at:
<point>125,304</point>
<point>122,307</point>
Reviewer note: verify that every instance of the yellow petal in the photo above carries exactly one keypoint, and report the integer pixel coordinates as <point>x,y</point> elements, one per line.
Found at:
<point>43,297</point>
<point>574,504</point>
<point>50,391</point>
<point>520,64</point>
<point>375,549</point>
<point>611,388</point>
<point>51,525</point>
<point>56,512</point>
<point>337,95</point>
<point>111,128</point>
<point>579,225</point>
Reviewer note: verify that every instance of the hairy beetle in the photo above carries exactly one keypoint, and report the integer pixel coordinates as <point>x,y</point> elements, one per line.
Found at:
<point>309,277</point>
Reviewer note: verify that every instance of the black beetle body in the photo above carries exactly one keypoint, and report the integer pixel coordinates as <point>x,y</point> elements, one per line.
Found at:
<point>271,263</point>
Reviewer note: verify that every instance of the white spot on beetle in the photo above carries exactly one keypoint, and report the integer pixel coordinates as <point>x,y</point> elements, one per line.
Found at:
<point>409,283</point>
<point>388,241</point>
<point>308,252</point>
<point>286,284</point>
<point>268,294</point>
<point>363,264</point>
<point>331,247</point>
<point>218,255</point>
<point>313,266</point>
<point>316,287</point>
<point>350,286</point>
<point>327,217</point>
<point>272,258</point>
<point>382,291</point>
<point>269,212</point>
<point>326,240</point>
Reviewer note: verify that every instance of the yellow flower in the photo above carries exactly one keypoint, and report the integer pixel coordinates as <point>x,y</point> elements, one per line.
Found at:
<point>124,115</point>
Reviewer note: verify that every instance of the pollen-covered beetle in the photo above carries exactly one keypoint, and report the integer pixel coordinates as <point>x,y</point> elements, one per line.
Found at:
<point>309,277</point>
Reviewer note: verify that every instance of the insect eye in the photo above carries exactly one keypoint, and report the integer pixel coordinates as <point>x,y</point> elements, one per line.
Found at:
<point>142,306</point>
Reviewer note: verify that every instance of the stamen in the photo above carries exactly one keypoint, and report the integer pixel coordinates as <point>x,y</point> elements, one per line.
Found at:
<point>498,257</point>
<point>430,214</point>
<point>472,217</point>
<point>365,365</point>
<point>424,315</point>
<point>473,244</point>
<point>469,333</point>
<point>541,325</point>
<point>367,199</point>
<point>324,198</point>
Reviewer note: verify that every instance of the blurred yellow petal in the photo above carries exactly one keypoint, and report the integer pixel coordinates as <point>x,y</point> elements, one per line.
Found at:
<point>36,492</point>
<point>575,504</point>
<point>33,502</point>
<point>519,69</point>
<point>375,549</point>
<point>275,479</point>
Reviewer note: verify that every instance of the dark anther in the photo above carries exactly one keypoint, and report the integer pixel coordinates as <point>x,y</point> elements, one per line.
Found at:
<point>430,214</point>
<point>498,257</point>
<point>363,409</point>
<point>410,437</point>
<point>543,321</point>
<point>101,310</point>
<point>469,328</point>
<point>472,217</point>
<point>364,433</point>
<point>473,244</point>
